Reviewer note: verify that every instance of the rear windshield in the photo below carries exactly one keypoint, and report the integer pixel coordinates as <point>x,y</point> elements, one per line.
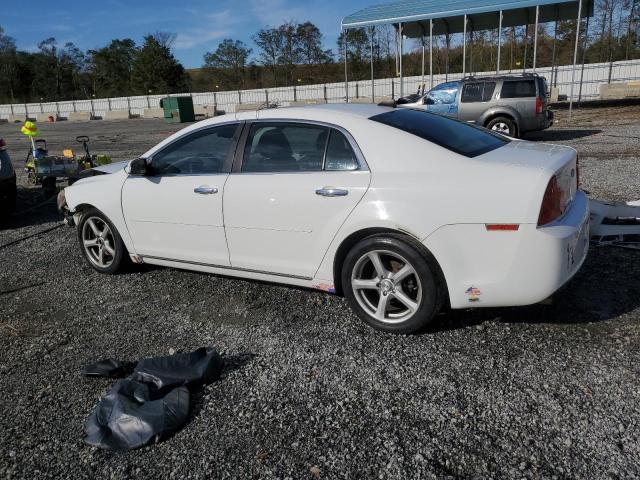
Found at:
<point>459,137</point>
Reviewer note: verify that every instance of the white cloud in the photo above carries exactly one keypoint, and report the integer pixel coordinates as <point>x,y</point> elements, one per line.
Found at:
<point>276,12</point>
<point>185,41</point>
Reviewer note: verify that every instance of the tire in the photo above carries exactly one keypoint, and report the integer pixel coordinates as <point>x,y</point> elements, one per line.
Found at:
<point>107,254</point>
<point>503,125</point>
<point>409,301</point>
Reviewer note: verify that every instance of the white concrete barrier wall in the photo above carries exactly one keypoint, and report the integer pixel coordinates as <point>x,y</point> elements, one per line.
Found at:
<point>594,75</point>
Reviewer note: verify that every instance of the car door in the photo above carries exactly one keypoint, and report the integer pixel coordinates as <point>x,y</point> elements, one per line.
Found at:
<point>175,212</point>
<point>293,187</point>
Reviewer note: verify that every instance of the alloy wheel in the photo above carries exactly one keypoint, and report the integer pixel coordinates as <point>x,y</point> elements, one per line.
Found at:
<point>386,286</point>
<point>98,242</point>
<point>501,127</point>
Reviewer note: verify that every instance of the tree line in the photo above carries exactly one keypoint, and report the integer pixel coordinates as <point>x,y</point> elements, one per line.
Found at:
<point>295,54</point>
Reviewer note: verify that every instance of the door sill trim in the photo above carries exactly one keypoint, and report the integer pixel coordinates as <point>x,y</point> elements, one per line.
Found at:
<point>224,267</point>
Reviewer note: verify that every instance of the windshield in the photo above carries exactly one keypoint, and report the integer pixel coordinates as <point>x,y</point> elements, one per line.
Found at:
<point>459,137</point>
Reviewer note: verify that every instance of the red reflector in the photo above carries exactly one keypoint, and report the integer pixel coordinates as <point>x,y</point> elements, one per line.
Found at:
<point>502,227</point>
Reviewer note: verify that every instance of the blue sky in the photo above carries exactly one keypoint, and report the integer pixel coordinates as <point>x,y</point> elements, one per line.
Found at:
<point>199,24</point>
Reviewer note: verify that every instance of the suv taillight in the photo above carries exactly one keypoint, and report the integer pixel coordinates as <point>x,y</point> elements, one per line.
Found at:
<point>538,105</point>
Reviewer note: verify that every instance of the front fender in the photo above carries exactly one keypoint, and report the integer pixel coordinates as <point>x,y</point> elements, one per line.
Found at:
<point>103,192</point>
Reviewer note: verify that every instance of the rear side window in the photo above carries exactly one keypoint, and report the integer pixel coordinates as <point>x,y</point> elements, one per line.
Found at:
<point>459,137</point>
<point>477,92</point>
<point>294,147</point>
<point>340,155</point>
<point>518,89</point>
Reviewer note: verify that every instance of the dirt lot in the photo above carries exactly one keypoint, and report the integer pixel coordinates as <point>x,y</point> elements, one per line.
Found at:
<point>538,392</point>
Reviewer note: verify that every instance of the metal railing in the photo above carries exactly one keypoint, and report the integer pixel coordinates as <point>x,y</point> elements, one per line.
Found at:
<point>593,76</point>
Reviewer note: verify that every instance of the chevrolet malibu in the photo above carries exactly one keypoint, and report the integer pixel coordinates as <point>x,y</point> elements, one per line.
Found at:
<point>401,211</point>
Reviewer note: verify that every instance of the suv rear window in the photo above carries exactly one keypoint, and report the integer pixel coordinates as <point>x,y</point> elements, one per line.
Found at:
<point>518,89</point>
<point>459,137</point>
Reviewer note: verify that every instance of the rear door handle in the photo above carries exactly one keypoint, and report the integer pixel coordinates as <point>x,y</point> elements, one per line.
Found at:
<point>205,190</point>
<point>331,192</point>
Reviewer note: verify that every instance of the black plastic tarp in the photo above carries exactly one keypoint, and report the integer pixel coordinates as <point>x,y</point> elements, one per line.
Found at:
<point>152,403</point>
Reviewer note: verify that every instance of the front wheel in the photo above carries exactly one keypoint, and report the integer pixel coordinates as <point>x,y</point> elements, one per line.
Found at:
<point>503,125</point>
<point>390,281</point>
<point>100,242</point>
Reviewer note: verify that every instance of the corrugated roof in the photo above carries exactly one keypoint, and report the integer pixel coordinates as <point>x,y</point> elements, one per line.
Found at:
<point>416,10</point>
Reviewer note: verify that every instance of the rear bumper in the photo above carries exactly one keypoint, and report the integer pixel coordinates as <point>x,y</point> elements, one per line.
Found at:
<point>499,269</point>
<point>541,121</point>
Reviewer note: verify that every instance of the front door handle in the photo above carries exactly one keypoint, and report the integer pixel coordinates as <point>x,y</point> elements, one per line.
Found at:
<point>205,190</point>
<point>331,192</point>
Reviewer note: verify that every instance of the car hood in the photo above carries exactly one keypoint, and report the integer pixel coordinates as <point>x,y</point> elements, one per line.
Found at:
<point>112,167</point>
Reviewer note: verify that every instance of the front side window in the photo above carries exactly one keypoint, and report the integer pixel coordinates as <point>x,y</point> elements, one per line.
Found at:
<point>291,147</point>
<point>444,94</point>
<point>203,152</point>
<point>518,89</point>
<point>459,137</point>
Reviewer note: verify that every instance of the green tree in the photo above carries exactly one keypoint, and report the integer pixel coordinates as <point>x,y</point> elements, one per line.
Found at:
<point>230,58</point>
<point>309,45</point>
<point>110,68</point>
<point>156,69</point>
<point>8,67</point>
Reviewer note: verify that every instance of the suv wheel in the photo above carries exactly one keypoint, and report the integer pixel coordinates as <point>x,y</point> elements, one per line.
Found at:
<point>391,283</point>
<point>100,242</point>
<point>503,125</point>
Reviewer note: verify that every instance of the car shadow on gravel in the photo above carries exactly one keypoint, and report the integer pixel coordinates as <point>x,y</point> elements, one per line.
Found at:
<point>606,287</point>
<point>32,208</point>
<point>560,134</point>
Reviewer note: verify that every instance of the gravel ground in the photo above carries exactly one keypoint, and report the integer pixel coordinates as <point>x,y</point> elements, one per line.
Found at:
<point>309,391</point>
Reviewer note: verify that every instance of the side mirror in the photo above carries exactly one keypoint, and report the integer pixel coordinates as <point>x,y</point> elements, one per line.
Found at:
<point>138,167</point>
<point>428,101</point>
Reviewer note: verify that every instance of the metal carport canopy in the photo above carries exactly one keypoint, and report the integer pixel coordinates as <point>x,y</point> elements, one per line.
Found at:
<point>448,17</point>
<point>422,18</point>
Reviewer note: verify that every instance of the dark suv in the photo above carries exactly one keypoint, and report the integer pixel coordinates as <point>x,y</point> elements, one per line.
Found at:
<point>7,182</point>
<point>509,104</point>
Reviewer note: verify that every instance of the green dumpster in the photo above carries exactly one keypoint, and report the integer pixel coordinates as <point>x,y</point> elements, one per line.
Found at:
<point>178,109</point>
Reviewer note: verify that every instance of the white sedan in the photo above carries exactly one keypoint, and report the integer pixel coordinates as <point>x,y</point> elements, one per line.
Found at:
<point>401,211</point>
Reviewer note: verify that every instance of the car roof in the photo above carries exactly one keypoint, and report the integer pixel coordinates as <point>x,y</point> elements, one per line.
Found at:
<point>339,114</point>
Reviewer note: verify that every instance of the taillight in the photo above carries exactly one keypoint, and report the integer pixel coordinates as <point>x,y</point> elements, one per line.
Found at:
<point>554,203</point>
<point>538,105</point>
<point>3,144</point>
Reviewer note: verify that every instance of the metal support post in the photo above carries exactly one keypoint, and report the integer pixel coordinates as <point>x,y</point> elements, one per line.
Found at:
<point>575,58</point>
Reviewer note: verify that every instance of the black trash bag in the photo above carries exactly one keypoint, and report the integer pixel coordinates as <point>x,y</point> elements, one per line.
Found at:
<point>153,402</point>
<point>109,368</point>
<point>130,417</point>
<point>191,369</point>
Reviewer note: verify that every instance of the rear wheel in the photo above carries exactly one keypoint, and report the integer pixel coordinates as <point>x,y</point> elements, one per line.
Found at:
<point>100,242</point>
<point>391,283</point>
<point>503,125</point>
